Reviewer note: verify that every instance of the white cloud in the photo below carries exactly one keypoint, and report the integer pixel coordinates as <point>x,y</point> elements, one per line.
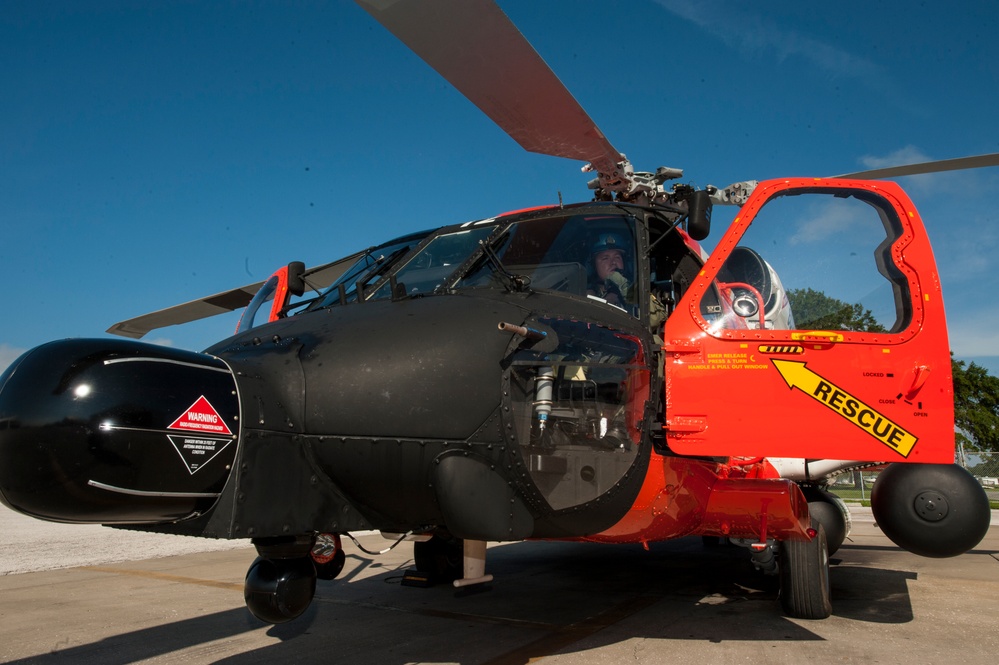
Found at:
<point>826,221</point>
<point>752,35</point>
<point>928,183</point>
<point>958,210</point>
<point>910,154</point>
<point>958,186</point>
<point>8,354</point>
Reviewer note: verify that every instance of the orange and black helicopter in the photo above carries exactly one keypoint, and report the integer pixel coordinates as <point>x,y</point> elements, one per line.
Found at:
<point>578,372</point>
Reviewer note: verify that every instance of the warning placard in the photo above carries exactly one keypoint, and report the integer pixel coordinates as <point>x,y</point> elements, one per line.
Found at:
<point>201,417</point>
<point>197,452</point>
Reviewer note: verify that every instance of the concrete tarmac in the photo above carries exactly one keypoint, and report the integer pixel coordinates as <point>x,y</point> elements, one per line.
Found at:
<point>557,603</point>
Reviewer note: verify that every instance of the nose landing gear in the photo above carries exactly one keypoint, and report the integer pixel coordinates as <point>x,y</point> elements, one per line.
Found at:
<point>281,582</point>
<point>279,590</point>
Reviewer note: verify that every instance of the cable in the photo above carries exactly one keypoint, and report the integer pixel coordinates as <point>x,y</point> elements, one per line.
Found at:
<point>384,551</point>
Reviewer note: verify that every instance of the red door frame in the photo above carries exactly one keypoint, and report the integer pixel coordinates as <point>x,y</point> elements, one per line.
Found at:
<point>815,394</point>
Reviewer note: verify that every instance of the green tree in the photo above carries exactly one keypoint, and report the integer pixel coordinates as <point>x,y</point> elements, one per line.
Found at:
<point>976,392</point>
<point>976,406</point>
<point>815,310</point>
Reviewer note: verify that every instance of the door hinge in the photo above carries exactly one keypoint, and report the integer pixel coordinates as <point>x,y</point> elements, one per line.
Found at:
<point>678,346</point>
<point>686,424</point>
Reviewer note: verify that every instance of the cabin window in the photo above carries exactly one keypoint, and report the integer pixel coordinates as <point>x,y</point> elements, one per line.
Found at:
<point>820,260</point>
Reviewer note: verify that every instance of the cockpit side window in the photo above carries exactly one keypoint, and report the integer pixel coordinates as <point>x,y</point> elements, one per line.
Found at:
<point>265,294</point>
<point>675,261</point>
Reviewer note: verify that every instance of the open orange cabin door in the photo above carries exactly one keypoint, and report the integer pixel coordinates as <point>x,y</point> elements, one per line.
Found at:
<point>815,330</point>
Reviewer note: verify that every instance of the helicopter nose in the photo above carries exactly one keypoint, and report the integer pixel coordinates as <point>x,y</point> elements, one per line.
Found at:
<point>115,432</point>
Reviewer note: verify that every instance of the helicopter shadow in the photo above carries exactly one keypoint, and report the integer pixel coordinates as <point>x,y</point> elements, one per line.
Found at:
<point>571,597</point>
<point>548,598</point>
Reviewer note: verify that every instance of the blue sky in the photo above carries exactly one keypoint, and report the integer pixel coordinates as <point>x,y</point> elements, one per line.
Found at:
<point>156,152</point>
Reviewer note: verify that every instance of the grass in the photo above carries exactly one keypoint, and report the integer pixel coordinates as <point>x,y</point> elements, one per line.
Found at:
<point>994,505</point>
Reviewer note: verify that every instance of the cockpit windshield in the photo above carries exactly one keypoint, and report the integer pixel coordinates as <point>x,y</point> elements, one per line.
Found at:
<point>590,255</point>
<point>368,270</point>
<point>435,262</point>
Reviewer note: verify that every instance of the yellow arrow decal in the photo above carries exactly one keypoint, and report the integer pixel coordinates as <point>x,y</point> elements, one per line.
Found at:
<point>797,375</point>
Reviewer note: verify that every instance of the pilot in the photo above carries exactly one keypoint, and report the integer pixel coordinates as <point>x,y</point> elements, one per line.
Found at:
<point>608,257</point>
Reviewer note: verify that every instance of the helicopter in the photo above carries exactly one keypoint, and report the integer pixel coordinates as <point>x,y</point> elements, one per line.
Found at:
<point>484,381</point>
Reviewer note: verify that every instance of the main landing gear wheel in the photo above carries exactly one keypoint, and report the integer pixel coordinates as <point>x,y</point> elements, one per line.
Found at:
<point>804,577</point>
<point>829,511</point>
<point>933,510</point>
<point>328,556</point>
<point>279,590</point>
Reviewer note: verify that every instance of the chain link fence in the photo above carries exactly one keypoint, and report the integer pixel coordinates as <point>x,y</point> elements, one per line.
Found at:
<point>984,466</point>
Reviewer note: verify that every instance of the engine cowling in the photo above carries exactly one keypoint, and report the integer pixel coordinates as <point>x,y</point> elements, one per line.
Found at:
<point>934,510</point>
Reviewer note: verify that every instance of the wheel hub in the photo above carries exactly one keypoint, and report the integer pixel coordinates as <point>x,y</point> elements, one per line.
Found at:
<point>931,506</point>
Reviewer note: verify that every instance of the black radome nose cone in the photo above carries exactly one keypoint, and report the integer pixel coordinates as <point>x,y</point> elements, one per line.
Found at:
<point>88,432</point>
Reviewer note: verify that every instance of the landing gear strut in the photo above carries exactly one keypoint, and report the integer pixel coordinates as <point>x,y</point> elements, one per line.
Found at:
<point>281,582</point>
<point>445,558</point>
<point>440,557</point>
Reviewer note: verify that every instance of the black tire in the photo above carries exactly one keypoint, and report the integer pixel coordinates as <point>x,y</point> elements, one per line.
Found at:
<point>330,570</point>
<point>933,510</point>
<point>825,509</point>
<point>804,577</point>
<point>279,590</point>
<point>441,557</point>
<point>328,556</point>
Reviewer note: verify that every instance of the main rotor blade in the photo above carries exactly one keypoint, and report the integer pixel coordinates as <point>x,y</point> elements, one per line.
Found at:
<point>473,45</point>
<point>222,303</point>
<point>976,162</point>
